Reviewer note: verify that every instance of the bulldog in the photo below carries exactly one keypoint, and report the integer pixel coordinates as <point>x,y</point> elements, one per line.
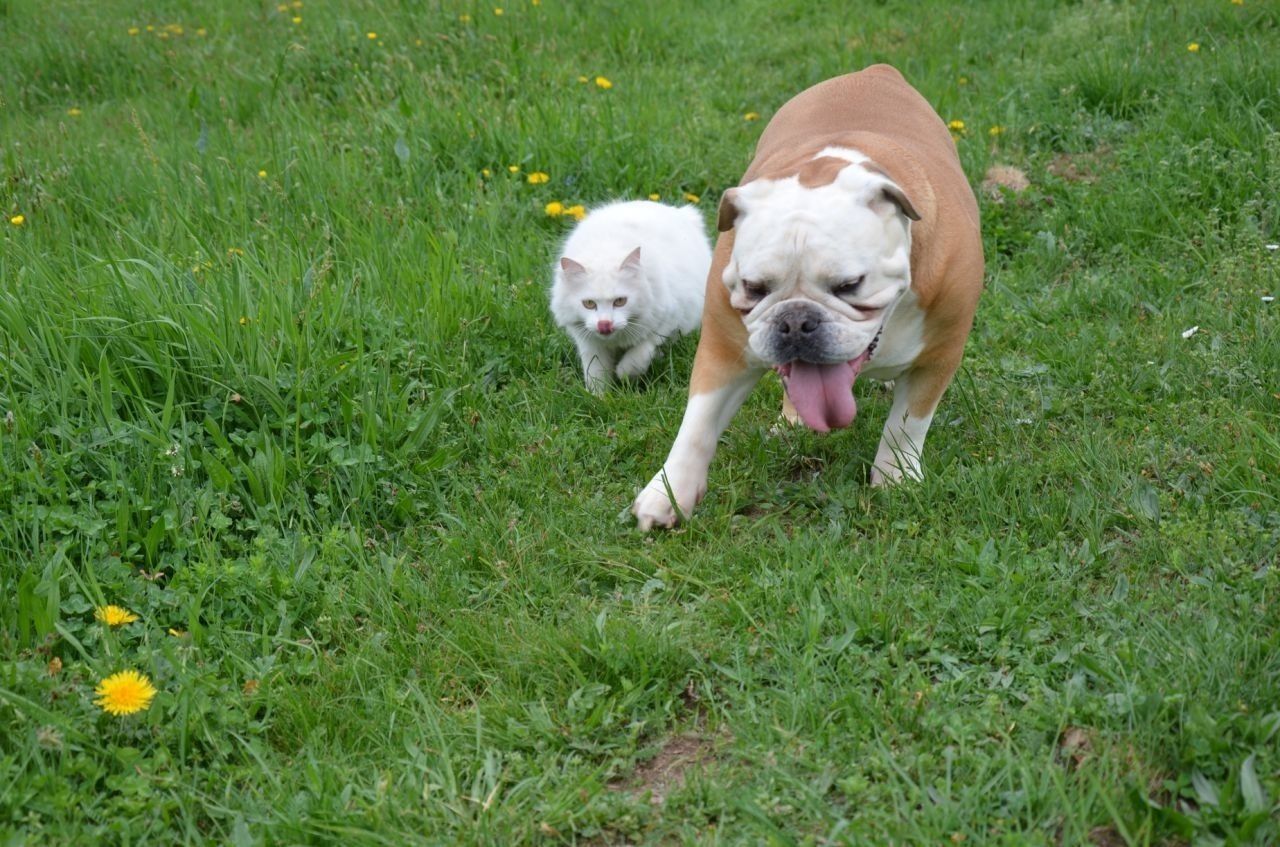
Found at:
<point>851,247</point>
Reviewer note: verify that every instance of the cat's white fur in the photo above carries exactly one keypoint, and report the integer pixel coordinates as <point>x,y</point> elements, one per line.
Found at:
<point>663,285</point>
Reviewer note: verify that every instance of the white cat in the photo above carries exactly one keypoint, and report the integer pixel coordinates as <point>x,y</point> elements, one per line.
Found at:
<point>630,276</point>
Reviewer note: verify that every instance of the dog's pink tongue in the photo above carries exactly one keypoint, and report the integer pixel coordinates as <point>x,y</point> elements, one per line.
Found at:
<point>823,394</point>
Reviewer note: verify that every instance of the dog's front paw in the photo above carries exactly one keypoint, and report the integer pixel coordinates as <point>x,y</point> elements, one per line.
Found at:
<point>664,503</point>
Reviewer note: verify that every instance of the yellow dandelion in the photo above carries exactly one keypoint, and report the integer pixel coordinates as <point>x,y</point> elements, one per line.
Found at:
<point>1194,47</point>
<point>18,220</point>
<point>114,615</point>
<point>515,169</point>
<point>498,11</point>
<point>297,19</point>
<point>297,4</point>
<point>964,80</point>
<point>655,197</point>
<point>151,28</point>
<point>486,173</point>
<point>372,36</point>
<point>751,116</point>
<point>464,18</point>
<point>74,112</point>
<point>235,251</point>
<point>584,79</point>
<point>535,2</point>
<point>554,209</point>
<point>176,633</point>
<point>576,212</point>
<point>124,693</point>
<point>602,82</point>
<point>537,178</point>
<point>956,126</point>
<point>282,8</point>
<point>692,198</point>
<point>417,42</point>
<point>202,32</point>
<point>133,30</point>
<point>244,320</point>
<point>162,35</point>
<point>995,130</point>
<point>1237,2</point>
<point>262,174</point>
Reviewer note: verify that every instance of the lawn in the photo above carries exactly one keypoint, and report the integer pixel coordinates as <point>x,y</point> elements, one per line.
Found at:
<point>278,377</point>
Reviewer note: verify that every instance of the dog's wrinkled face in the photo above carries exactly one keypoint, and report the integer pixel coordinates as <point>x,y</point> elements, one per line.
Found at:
<point>815,272</point>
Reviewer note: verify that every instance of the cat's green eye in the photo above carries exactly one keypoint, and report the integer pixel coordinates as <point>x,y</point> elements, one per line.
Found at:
<point>590,304</point>
<point>620,302</point>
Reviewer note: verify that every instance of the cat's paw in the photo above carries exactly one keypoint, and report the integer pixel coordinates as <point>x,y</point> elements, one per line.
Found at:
<point>635,362</point>
<point>631,369</point>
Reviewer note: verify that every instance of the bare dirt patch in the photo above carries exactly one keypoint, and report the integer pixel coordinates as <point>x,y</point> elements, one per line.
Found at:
<point>669,768</point>
<point>1002,178</point>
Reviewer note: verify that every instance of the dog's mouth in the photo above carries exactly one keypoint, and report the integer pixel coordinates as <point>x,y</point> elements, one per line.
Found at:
<point>823,394</point>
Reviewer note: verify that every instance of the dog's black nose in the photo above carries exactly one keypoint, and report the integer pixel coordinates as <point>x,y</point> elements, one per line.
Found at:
<point>801,324</point>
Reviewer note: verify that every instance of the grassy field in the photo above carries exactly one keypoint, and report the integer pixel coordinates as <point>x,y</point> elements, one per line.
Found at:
<point>277,376</point>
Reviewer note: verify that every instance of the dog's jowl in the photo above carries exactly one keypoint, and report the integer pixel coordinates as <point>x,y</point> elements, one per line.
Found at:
<point>850,248</point>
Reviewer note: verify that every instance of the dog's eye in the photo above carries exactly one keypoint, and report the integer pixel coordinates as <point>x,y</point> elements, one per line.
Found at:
<point>590,304</point>
<point>849,287</point>
<point>620,302</point>
<point>755,290</point>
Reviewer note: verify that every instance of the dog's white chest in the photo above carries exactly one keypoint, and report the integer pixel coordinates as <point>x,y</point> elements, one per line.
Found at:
<point>901,342</point>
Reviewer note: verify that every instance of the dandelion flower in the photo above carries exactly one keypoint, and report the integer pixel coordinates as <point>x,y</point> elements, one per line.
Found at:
<point>464,18</point>
<point>964,80</point>
<point>202,32</point>
<point>151,28</point>
<point>262,174</point>
<point>297,4</point>
<point>18,220</point>
<point>537,178</point>
<point>515,169</point>
<point>692,198</point>
<point>297,19</point>
<point>576,212</point>
<point>751,116</point>
<point>1194,47</point>
<point>176,633</point>
<point>124,693</point>
<point>995,130</point>
<point>498,11</point>
<point>133,30</point>
<point>244,320</point>
<point>655,197</point>
<point>602,82</point>
<point>114,615</point>
<point>282,8</point>
<point>956,126</point>
<point>554,209</point>
<point>486,173</point>
<point>583,79</point>
<point>372,36</point>
<point>535,2</point>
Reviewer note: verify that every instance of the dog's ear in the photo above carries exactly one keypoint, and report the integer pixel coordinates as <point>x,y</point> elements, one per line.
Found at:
<point>891,192</point>
<point>729,210</point>
<point>571,268</point>
<point>632,262</point>
<point>895,195</point>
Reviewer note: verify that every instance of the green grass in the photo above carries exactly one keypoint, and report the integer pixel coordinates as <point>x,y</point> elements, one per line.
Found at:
<point>320,423</point>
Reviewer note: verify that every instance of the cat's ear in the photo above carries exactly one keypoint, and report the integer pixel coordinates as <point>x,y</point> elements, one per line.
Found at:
<point>632,262</point>
<point>729,210</point>
<point>571,268</point>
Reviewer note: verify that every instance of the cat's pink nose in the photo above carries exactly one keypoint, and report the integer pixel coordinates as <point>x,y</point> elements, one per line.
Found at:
<point>604,327</point>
